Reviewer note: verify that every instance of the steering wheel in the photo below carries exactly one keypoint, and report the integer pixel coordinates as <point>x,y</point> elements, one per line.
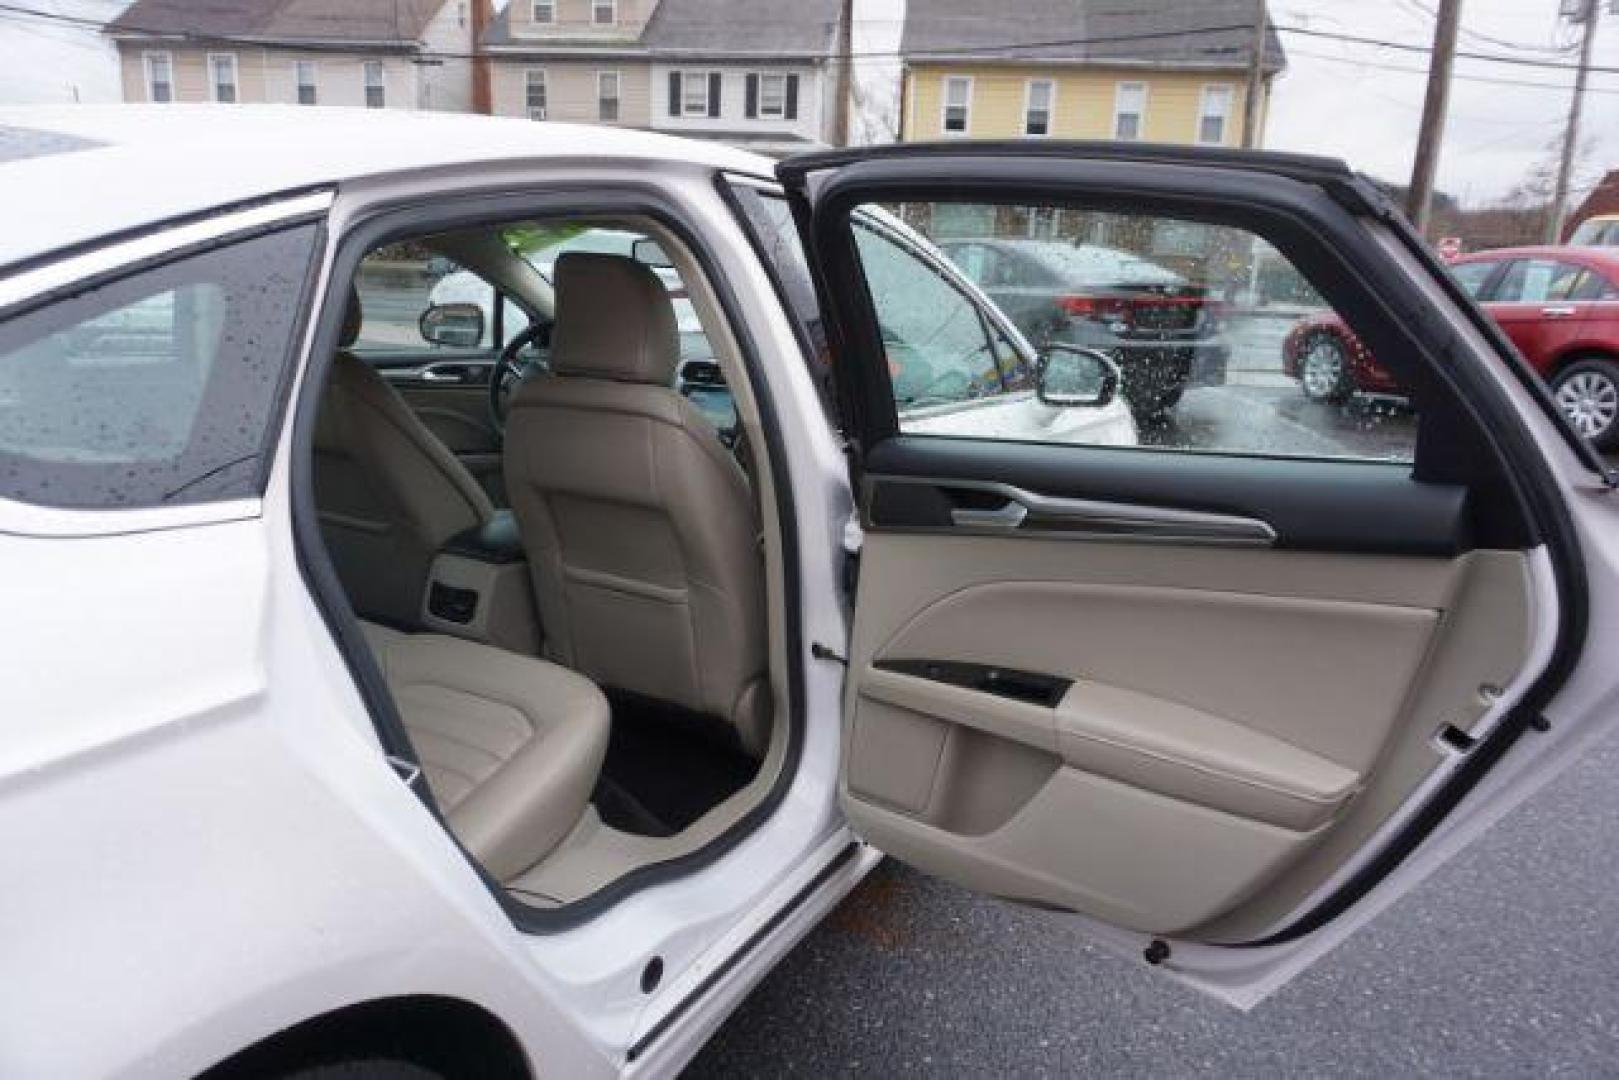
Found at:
<point>511,370</point>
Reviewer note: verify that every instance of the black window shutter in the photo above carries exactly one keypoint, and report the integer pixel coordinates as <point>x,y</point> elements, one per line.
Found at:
<point>674,93</point>
<point>792,97</point>
<point>752,97</point>
<point>714,94</point>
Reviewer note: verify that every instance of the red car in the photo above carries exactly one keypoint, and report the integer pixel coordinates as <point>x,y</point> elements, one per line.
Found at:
<point>1559,305</point>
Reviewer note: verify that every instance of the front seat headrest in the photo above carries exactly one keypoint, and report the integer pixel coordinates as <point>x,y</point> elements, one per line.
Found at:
<point>352,318</point>
<point>614,321</point>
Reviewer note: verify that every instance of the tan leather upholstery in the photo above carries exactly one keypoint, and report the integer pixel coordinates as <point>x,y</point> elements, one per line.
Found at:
<point>388,491</point>
<point>637,521</point>
<point>511,746</point>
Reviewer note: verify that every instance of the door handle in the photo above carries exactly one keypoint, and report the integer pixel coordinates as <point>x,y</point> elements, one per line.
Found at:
<point>1095,518</point>
<point>1558,311</point>
<point>442,373</point>
<point>1010,516</point>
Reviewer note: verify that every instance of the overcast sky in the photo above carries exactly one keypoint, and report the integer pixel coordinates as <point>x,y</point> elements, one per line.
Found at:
<point>1335,98</point>
<point>1332,100</point>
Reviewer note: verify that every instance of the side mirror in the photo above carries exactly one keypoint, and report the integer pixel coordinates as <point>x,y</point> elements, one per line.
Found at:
<point>1071,377</point>
<point>456,326</point>
<point>649,252</point>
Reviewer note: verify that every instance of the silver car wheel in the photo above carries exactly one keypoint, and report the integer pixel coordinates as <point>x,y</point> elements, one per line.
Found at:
<point>1590,400</point>
<point>1322,369</point>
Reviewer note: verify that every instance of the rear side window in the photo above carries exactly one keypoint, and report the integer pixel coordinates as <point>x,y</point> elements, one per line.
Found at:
<point>154,389</point>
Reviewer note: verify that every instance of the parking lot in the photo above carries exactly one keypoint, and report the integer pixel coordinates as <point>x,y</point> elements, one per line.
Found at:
<point>1505,963</point>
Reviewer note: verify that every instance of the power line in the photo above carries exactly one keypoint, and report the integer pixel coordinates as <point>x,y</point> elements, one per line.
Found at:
<point>1461,76</point>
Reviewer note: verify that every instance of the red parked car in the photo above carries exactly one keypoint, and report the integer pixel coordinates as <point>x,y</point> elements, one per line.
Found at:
<point>1559,305</point>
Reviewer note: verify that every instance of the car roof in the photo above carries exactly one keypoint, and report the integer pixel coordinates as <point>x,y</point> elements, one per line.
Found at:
<point>73,174</point>
<point>1606,256</point>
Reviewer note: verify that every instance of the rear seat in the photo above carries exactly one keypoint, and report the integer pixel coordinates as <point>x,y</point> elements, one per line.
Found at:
<point>511,746</point>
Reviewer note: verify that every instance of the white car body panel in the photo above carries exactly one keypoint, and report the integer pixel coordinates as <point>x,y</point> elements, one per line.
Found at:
<point>166,657</point>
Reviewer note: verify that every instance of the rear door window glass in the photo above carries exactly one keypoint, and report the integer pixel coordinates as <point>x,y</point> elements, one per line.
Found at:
<point>157,388</point>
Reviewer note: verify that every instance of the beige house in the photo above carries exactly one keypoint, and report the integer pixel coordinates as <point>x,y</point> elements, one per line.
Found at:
<point>413,54</point>
<point>1154,70</point>
<point>756,73</point>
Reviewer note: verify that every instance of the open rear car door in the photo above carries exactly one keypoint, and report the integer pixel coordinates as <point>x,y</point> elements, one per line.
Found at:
<point>1220,701</point>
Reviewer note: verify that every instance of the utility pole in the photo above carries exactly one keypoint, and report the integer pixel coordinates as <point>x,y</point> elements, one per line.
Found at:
<point>844,84</point>
<point>1571,134</point>
<point>1256,80</point>
<point>1419,200</point>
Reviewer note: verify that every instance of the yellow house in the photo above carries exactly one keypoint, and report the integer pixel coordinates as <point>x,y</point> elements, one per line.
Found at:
<point>1155,71</point>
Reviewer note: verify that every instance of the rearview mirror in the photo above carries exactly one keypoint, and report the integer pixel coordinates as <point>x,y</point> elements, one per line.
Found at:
<point>1072,377</point>
<point>455,326</point>
<point>650,253</point>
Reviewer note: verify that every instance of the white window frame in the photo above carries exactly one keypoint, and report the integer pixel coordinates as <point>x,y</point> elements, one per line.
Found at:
<point>1203,113</point>
<point>618,95</point>
<point>703,78</point>
<point>966,107</point>
<point>596,7</point>
<point>1119,112</point>
<point>235,78</point>
<point>760,111</point>
<point>298,84</point>
<point>530,81</point>
<point>1028,106</point>
<point>146,62</point>
<point>549,7</point>
<point>366,85</point>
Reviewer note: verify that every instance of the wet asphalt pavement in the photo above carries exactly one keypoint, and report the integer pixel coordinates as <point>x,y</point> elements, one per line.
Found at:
<point>1504,963</point>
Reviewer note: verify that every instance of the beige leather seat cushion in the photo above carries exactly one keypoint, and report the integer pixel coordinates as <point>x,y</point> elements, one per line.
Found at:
<point>511,746</point>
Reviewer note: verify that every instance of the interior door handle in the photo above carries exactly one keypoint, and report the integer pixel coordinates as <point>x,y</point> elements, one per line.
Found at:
<point>1010,516</point>
<point>1558,311</point>
<point>442,373</point>
<point>1093,518</point>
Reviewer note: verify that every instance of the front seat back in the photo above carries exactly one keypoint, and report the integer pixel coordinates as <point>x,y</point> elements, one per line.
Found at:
<point>639,524</point>
<point>389,493</point>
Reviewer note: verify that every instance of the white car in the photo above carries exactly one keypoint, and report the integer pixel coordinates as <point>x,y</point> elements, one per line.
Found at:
<point>331,735</point>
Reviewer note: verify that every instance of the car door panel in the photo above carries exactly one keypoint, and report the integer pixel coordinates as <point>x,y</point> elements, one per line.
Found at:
<point>1253,711</point>
<point>1186,694</point>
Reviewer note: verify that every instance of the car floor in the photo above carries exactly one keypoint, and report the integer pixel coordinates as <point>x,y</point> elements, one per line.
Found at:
<point>665,769</point>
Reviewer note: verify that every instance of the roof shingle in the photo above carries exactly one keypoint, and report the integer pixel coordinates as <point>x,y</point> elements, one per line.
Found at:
<point>1167,32</point>
<point>401,21</point>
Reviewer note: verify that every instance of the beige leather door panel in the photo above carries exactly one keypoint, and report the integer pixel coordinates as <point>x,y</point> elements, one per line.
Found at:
<point>1142,732</point>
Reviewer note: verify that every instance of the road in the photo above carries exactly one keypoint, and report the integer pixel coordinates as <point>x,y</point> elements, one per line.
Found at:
<point>1505,963</point>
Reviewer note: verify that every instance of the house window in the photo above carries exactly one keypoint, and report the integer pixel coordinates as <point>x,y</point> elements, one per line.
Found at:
<point>958,97</point>
<point>159,76</point>
<point>1037,107</point>
<point>222,76</point>
<point>604,12</point>
<point>545,11</point>
<point>1216,111</point>
<point>607,95</point>
<point>376,90</point>
<point>1129,110</point>
<point>534,93</point>
<point>694,93</point>
<point>304,74</point>
<point>771,96</point>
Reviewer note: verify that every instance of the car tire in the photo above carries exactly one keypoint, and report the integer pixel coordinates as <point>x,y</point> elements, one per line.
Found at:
<point>1324,373</point>
<point>1587,392</point>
